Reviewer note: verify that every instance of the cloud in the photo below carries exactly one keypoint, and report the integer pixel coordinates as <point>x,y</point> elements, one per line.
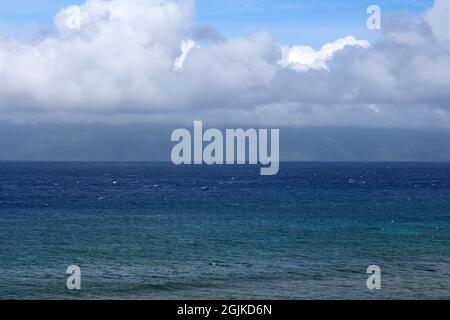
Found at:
<point>186,47</point>
<point>206,33</point>
<point>136,61</point>
<point>304,58</point>
<point>438,19</point>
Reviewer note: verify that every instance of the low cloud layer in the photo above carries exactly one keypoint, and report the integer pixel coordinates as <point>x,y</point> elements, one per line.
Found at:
<point>135,61</point>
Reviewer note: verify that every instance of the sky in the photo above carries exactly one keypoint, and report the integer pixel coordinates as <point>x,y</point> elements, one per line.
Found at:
<point>308,22</point>
<point>271,63</point>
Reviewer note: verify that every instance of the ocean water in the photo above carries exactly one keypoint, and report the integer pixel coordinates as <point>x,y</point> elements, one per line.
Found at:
<point>156,231</point>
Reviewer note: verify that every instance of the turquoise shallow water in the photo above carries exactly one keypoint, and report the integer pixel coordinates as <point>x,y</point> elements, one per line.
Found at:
<point>156,231</point>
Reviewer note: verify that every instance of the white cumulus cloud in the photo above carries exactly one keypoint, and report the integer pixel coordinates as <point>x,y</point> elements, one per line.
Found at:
<point>186,47</point>
<point>304,58</point>
<point>132,60</point>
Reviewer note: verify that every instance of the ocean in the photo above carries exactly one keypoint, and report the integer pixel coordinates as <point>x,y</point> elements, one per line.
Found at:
<point>157,231</point>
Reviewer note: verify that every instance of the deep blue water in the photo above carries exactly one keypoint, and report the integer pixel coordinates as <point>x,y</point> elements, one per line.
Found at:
<point>156,231</point>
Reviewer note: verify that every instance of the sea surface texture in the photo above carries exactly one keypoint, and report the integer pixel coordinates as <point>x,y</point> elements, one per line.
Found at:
<point>157,231</point>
